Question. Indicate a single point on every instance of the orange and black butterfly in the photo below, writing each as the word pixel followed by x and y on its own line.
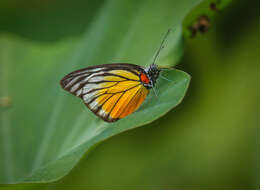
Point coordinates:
pixel 113 91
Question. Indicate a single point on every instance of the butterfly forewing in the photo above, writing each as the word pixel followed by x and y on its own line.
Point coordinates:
pixel 111 91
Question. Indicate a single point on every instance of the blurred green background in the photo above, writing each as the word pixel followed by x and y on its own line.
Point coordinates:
pixel 210 141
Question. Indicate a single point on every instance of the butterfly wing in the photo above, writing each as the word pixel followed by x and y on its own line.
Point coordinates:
pixel 111 91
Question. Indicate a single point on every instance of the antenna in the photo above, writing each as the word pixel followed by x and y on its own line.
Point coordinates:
pixel 161 46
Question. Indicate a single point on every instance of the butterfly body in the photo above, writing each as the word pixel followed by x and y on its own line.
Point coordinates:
pixel 112 91
pixel 152 72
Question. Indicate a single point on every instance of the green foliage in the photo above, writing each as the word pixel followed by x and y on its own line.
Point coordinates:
pixel 207 10
pixel 45 131
pixel 208 142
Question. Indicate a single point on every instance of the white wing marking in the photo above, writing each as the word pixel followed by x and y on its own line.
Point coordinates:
pixel 91 76
pixel 74 80
pixel 75 87
pixel 89 87
pixel 88 71
pixel 88 97
pixel 102 113
pixel 78 93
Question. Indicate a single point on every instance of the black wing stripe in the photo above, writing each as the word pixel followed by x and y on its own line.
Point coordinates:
pixel 102 81
pixel 123 68
pixel 115 75
pixel 108 67
pixel 95 89
pixel 87 71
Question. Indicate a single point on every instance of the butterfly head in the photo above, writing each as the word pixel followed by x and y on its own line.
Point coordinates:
pixel 150 75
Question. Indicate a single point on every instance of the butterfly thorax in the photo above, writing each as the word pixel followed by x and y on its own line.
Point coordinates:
pixel 150 75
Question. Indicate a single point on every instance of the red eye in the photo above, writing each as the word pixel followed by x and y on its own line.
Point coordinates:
pixel 144 78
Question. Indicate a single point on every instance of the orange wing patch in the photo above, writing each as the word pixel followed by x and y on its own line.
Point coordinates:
pixel 129 102
pixel 122 98
pixel 121 104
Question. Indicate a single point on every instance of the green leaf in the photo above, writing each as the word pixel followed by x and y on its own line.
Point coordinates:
pixel 44 131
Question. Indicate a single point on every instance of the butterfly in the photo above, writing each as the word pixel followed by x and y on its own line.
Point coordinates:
pixel 113 91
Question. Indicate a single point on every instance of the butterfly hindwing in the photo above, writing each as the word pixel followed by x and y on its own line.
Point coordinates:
pixel 111 91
